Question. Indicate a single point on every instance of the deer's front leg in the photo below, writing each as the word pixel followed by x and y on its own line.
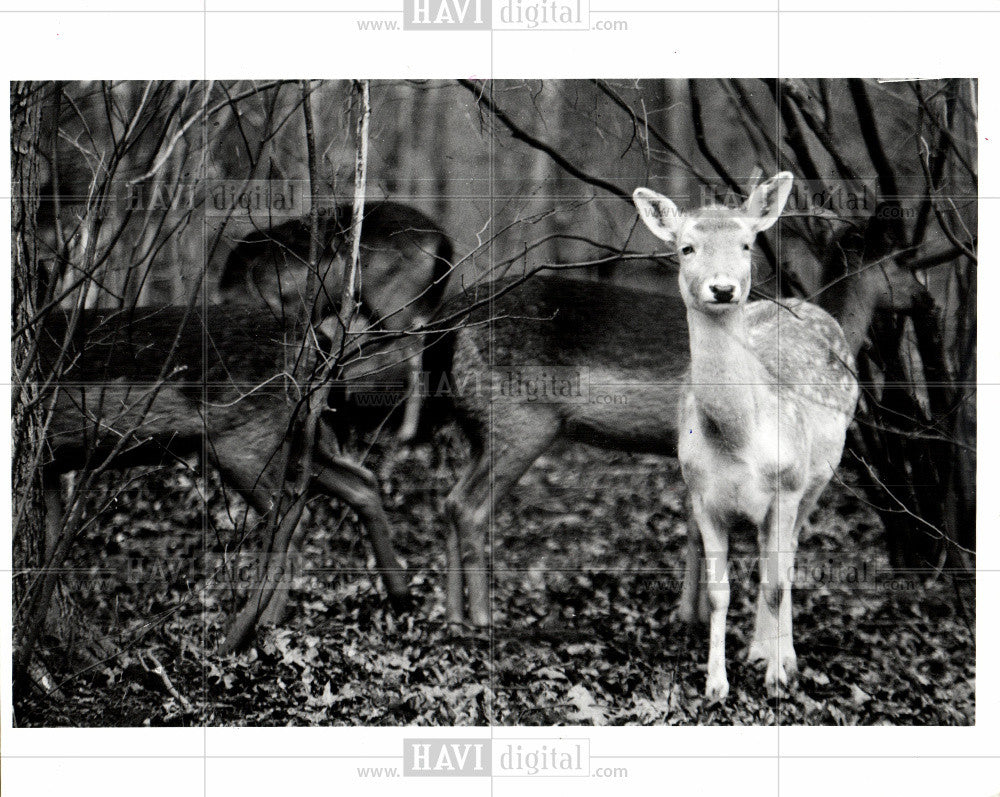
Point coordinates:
pixel 772 641
pixel 466 510
pixel 715 539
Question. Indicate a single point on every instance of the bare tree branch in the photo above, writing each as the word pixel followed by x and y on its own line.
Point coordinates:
pixel 478 90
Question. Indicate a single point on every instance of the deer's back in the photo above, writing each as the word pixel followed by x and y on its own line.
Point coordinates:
pixel 627 350
pixel 561 321
pixel 162 378
pixel 405 261
pixel 216 347
pixel 803 347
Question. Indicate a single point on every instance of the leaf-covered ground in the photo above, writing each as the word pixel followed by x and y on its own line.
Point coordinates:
pixel 587 557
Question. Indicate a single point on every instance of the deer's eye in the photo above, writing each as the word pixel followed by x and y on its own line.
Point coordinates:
pixel 687 250
pixel 746 247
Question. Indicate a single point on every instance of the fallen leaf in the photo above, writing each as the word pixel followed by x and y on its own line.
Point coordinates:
pixel 586 710
pixel 859 695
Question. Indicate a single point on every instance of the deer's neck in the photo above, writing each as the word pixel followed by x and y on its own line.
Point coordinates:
pixel 726 377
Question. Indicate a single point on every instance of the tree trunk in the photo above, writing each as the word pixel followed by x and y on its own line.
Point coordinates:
pixel 28 550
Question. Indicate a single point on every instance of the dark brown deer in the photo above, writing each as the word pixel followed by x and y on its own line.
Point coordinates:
pixel 615 359
pixel 152 384
pixel 405 263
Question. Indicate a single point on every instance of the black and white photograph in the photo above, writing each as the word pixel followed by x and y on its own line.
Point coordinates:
pixel 511 402
pixel 463 408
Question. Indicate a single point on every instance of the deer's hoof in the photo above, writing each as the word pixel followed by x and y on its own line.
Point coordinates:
pixel 717 688
pixel 781 675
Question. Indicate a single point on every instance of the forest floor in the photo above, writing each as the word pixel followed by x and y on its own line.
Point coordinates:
pixel 587 558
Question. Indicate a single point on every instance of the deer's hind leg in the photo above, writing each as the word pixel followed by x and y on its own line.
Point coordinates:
pixel 356 486
pixel 518 435
pixel 693 604
pixel 250 457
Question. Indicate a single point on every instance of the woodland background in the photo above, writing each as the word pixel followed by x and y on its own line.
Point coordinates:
pixel 113 192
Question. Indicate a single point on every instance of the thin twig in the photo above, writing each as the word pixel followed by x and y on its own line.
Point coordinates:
pixel 478 90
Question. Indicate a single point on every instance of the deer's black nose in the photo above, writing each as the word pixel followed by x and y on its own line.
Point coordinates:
pixel 722 293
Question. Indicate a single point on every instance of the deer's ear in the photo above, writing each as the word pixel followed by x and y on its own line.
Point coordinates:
pixel 768 200
pixel 659 213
